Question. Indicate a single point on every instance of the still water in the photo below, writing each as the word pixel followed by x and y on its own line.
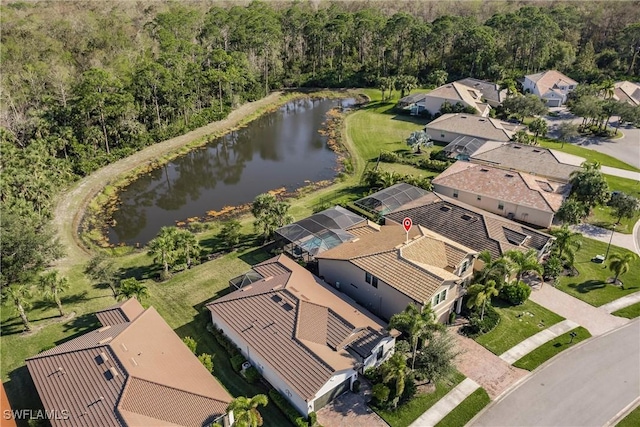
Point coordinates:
pixel 279 149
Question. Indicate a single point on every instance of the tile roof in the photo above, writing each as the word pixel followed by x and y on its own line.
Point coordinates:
pixel 526 158
pixel 301 326
pixel 549 79
pixel 627 92
pixel 506 185
pixel 417 268
pixel 123 312
pixel 471 125
pixel 469 226
pixel 134 373
pixel 456 92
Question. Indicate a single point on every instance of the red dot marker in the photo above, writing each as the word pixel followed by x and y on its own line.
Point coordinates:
pixel 407 224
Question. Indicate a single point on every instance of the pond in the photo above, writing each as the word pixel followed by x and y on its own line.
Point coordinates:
pixel 279 149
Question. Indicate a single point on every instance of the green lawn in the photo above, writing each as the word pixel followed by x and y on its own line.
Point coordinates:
pixel 546 351
pixel 590 284
pixel 466 410
pixel 590 155
pixel 406 169
pixel 517 323
pixel 631 420
pixel 630 312
pixel 409 412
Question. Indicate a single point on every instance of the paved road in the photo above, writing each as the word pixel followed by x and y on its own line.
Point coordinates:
pixel 587 385
pixel 627 241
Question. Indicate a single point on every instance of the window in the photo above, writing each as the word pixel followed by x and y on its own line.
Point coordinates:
pixel 367 277
pixel 380 353
pixel 374 282
pixel 464 267
pixel 478 197
pixel 500 205
pixel 455 193
pixel 371 279
pixel 571 86
pixel 439 297
pixel 442 135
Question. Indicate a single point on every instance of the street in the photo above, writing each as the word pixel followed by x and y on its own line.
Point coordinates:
pixel 586 386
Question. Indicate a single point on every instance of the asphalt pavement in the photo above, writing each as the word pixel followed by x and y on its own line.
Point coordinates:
pixel 587 385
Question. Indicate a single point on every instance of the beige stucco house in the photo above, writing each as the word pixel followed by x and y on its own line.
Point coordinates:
pixel 551 86
pixel 384 271
pixel 515 195
pixel 454 93
pixel 308 340
pixel 628 92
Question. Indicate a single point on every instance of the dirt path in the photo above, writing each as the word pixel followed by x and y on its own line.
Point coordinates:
pixel 73 202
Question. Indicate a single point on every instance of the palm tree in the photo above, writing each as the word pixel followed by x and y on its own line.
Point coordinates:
pixel 51 286
pixel 19 296
pixel 245 410
pixel 395 369
pixel 567 244
pixel 418 323
pixel 524 262
pixel 538 127
pixel 131 288
pixel 619 264
pixel 480 294
pixel 162 248
pixel 188 245
pixel 496 270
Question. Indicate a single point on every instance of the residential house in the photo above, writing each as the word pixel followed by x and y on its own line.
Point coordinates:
pixel 448 127
pixel 132 371
pixel 491 92
pixel 453 93
pixel 531 159
pixel 472 227
pixel 306 339
pixel 386 268
pixel 515 195
pixel 551 86
pixel 463 147
pixel 627 92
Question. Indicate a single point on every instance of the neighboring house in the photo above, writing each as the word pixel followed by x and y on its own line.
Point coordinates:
pixel 386 269
pixel 525 158
pixel 133 371
pixel 551 86
pixel 305 338
pixel 471 227
pixel 491 92
pixel 464 147
pixel 515 195
pixel 627 92
pixel 448 127
pixel 453 93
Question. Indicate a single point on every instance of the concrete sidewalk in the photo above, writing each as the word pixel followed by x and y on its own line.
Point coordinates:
pixel 527 346
pixel 607 170
pixel 602 234
pixel 621 303
pixel 445 405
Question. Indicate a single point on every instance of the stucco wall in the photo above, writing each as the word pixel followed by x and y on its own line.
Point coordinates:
pixel 383 301
pixel 490 204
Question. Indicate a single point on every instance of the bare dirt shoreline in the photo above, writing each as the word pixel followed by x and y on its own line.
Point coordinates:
pixel 74 201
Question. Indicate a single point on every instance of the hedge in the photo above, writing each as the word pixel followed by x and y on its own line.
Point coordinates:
pixel 288 409
pixel 237 361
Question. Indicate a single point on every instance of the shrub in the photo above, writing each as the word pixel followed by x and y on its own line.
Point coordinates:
pixel 433 165
pixel 313 419
pixel 286 407
pixel 207 361
pixel 356 386
pixel 252 375
pixel 225 342
pixel 439 155
pixel 191 343
pixel 196 227
pixel 478 327
pixel 389 157
pixel 373 375
pixel 236 362
pixel 452 317
pixel 515 293
pixel 380 393
pixel 410 390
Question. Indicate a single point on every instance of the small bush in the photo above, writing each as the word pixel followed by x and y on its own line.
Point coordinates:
pixel 207 361
pixel 410 390
pixel 478 327
pixel 191 343
pixel 356 386
pixel 236 362
pixel 389 157
pixel 252 375
pixel 313 419
pixel 287 408
pixel 380 393
pixel 515 293
pixel 196 227
pixel 452 317
pixel 225 342
pixel 433 165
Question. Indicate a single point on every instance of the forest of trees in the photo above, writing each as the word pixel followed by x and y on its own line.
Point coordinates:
pixel 86 83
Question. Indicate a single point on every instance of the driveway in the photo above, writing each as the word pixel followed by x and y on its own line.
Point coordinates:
pixel 587 385
pixel 351 409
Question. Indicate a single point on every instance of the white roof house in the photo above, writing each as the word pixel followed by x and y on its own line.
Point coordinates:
pixel 551 86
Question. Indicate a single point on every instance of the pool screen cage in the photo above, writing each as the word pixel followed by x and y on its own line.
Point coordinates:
pixel 390 199
pixel 320 232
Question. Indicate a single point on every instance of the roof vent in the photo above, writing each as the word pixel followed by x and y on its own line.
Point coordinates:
pixel 114 371
pixel 466 217
pixel 287 307
pixel 103 357
pixel 517 147
pixel 124 347
pixel 484 170
pixel 105 340
pixel 463 117
pixel 482 120
pixel 508 175
pixel 536 151
pixel 445 208
pixel 133 361
pixel 276 298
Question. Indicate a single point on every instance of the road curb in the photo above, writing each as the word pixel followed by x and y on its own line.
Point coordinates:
pixel 626 411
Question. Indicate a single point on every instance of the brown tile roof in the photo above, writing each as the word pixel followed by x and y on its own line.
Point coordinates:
pixel 469 226
pixel 547 80
pixel 509 186
pixel 526 158
pixel 417 268
pixel 95 374
pixel 470 125
pixel 123 312
pixel 304 328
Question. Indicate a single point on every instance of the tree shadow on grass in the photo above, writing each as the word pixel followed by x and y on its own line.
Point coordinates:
pixel 21 392
pixel 588 286
pixel 79 325
pixel 65 300
pixel 140 272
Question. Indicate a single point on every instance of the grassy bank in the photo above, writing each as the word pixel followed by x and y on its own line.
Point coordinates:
pixel 549 349
pixel 466 410
pixel 630 312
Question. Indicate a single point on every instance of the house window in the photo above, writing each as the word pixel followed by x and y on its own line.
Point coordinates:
pixel 380 353
pixel 371 279
pixel 478 197
pixel 442 135
pixel 367 277
pixel 455 193
pixel 571 86
pixel 374 281
pixel 500 205
pixel 439 297
pixel 464 267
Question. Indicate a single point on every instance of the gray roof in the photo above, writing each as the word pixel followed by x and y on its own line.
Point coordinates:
pixel 474 126
pixel 526 158
pixel 466 145
pixel 490 91
pixel 390 198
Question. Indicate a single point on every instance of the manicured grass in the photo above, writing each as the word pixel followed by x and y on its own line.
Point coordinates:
pixel 590 155
pixel 547 350
pixel 517 323
pixel 409 412
pixel 466 410
pixel 590 284
pixel 630 312
pixel 406 169
pixel 631 420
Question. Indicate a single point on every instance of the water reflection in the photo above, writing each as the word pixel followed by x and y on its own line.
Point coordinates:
pixel 280 149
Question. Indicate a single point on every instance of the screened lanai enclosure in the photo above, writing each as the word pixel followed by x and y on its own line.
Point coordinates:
pixel 320 232
pixel 384 201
